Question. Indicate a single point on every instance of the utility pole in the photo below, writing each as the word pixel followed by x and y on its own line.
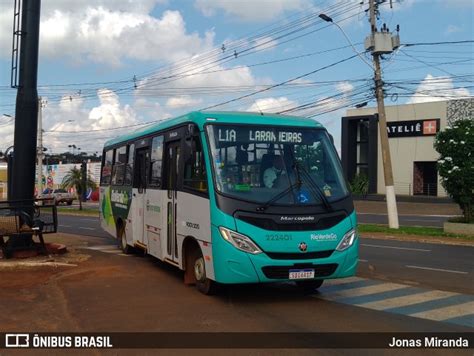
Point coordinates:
pixel 26 113
pixel 83 194
pixel 386 159
pixel 40 145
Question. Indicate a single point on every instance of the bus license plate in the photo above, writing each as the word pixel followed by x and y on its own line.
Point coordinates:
pixel 301 273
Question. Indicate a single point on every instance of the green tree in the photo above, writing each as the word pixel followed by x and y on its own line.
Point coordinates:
pixel 456 164
pixel 74 179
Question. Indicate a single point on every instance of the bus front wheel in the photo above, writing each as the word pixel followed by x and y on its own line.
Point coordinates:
pixel 203 284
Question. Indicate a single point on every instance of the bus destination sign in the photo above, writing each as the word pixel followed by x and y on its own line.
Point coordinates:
pixel 246 135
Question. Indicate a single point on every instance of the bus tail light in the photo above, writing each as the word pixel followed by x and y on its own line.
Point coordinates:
pixel 240 241
pixel 347 241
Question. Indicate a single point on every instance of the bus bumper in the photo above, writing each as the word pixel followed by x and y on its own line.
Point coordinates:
pixel 235 266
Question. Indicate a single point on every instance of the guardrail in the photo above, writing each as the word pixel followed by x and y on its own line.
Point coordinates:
pixel 403 188
pixel 26 218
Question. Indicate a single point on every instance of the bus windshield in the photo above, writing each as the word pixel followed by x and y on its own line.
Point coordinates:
pixel 256 163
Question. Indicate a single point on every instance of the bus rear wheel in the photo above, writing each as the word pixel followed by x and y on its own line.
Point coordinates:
pixel 309 287
pixel 203 284
pixel 122 240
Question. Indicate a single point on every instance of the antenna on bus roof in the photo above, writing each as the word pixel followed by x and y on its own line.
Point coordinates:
pixel 258 107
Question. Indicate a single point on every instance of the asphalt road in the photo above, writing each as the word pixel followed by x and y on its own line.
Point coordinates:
pixel 444 267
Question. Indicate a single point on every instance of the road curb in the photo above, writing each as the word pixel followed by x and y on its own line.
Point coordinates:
pixel 9 265
pixel 416 238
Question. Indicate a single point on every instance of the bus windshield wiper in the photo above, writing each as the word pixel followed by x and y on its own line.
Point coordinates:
pixel 280 195
pixel 314 187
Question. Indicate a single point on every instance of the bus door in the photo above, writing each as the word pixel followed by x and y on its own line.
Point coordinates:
pixel 172 157
pixel 139 194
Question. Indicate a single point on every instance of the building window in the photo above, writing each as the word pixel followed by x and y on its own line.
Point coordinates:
pixel 362 149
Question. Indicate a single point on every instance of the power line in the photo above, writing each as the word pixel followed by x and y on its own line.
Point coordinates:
pixel 280 84
pixel 437 43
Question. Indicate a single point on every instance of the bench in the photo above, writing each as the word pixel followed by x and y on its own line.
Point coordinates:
pixel 26 218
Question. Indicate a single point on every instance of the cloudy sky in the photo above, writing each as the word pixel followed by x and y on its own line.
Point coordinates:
pixel 110 66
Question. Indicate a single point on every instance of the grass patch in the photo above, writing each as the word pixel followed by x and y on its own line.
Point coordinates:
pixel 411 230
pixel 76 211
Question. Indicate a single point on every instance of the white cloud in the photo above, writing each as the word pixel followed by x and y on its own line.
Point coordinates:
pixel 271 105
pixel 181 84
pixel 250 10
pixel 71 114
pixel 345 87
pixel 437 89
pixel 452 29
pixel 109 32
pixel 179 102
pixel 138 6
pixel 265 43
pixel 110 114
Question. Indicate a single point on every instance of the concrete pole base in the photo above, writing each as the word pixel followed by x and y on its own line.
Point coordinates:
pixel 391 207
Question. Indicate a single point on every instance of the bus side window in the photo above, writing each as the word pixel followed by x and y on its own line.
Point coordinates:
pixel 129 166
pixel 194 167
pixel 106 173
pixel 156 161
pixel 142 159
pixel 118 170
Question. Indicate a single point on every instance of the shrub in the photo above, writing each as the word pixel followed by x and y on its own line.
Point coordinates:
pixel 456 164
pixel 359 185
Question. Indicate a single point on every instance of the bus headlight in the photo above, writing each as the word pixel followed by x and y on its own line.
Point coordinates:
pixel 240 241
pixel 347 240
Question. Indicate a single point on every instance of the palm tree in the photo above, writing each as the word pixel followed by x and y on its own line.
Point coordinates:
pixel 74 179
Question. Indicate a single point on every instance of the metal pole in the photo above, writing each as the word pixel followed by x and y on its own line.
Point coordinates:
pixel 40 146
pixel 386 159
pixel 26 112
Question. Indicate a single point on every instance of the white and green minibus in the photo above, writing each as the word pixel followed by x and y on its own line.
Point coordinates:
pixel 232 197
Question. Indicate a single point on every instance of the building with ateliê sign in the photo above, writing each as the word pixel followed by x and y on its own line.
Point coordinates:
pixel 411 131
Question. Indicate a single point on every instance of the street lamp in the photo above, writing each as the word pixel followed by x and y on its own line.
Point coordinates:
pixel 386 158
pixel 326 18
pixel 4 155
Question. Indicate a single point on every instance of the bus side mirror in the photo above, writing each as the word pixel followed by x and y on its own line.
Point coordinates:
pixel 332 138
